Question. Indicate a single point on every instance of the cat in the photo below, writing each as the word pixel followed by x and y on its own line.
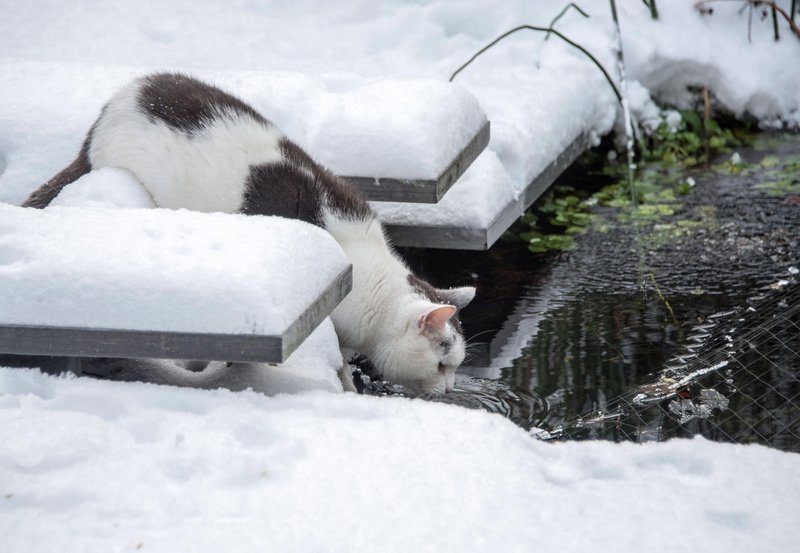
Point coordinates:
pixel 194 146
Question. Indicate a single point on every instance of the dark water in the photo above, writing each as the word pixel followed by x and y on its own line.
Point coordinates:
pixel 571 339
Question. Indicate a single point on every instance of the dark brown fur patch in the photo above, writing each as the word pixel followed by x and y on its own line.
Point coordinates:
pixel 187 104
pixel 282 189
pixel 45 194
pixel 298 187
pixel 342 196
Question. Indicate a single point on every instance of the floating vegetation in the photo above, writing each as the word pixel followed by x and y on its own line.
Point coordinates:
pixel 688 144
pixel 670 171
pixel 783 176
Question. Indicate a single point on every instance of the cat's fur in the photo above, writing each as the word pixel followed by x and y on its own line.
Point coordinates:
pixel 194 146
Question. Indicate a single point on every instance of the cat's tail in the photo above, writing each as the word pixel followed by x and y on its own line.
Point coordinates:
pixel 45 194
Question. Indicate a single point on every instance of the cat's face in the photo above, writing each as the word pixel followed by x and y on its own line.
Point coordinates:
pixel 429 344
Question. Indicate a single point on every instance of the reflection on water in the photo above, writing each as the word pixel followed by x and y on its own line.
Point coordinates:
pixel 593 326
pixel 518 403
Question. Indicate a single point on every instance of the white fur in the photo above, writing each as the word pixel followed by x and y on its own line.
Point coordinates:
pixel 204 172
pixel 379 317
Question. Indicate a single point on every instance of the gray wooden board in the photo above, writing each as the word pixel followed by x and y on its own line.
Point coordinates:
pixel 92 342
pixel 385 189
pixel 481 238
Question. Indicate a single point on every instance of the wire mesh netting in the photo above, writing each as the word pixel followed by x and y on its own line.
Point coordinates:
pixel 738 380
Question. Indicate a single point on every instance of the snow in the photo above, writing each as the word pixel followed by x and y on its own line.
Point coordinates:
pixel 154 269
pixel 120 466
pixel 88 465
pixel 107 187
pixel 355 130
pixel 368 81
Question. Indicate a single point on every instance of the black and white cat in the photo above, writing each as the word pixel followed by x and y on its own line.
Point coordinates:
pixel 194 146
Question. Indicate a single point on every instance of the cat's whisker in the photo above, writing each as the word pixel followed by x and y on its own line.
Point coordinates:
pixel 471 348
pixel 471 338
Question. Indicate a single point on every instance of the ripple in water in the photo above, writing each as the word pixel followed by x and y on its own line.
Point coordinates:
pixel 521 405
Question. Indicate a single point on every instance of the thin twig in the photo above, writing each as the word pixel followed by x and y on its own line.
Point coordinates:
pixel 775 23
pixel 561 14
pixel 789 19
pixel 543 30
pixel 706 123
pixel 663 299
pixel 755 3
pixel 653 9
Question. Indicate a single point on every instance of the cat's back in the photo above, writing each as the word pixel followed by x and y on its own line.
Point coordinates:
pixel 191 144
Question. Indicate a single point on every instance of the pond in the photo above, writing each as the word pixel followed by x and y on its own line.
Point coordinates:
pixel 580 344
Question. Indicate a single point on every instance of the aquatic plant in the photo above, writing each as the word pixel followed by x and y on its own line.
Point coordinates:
pixel 566 211
pixel 693 141
pixel 560 215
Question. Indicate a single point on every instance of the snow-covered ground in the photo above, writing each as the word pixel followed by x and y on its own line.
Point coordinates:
pixel 87 465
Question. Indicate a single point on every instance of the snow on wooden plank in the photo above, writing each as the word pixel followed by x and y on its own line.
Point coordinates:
pixel 465 235
pixel 161 283
pixel 384 189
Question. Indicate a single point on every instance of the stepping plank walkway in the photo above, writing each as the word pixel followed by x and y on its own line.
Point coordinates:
pixel 158 284
pixel 425 168
pixel 420 149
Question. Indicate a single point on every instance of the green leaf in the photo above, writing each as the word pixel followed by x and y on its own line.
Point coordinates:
pixel 770 161
pixel 692 121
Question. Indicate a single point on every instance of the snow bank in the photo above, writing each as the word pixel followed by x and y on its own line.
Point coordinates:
pixel 758 77
pixel 153 269
pixel 87 465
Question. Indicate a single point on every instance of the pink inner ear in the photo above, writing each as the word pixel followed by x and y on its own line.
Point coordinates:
pixel 435 320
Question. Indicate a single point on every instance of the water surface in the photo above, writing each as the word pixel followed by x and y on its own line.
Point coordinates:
pixel 565 342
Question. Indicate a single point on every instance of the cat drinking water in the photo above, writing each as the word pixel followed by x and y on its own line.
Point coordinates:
pixel 194 146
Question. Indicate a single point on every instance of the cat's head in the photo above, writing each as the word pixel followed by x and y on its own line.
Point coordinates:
pixel 428 343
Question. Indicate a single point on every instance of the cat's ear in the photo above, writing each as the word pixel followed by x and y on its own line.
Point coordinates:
pixel 458 297
pixel 433 321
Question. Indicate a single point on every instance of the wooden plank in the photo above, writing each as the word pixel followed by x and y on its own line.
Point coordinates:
pixel 315 313
pixel 91 342
pixel 385 189
pixel 481 238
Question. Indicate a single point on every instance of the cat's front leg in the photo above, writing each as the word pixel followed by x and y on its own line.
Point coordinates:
pixel 345 372
pixel 346 376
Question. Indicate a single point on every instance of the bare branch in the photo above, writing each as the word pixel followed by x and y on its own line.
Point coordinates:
pixel 543 30
pixel 755 3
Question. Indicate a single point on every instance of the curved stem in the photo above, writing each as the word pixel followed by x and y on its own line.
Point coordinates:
pixel 543 30
pixel 561 14
pixel 653 9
